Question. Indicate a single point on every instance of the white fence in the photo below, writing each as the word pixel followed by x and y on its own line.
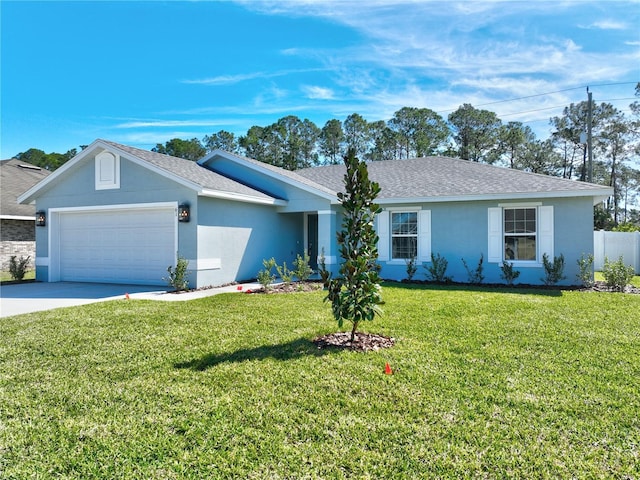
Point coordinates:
pixel 614 244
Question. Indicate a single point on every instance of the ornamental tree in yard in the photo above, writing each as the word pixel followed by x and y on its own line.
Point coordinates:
pixel 355 293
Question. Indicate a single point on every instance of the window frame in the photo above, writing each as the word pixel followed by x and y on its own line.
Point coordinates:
pixel 383 229
pixel 415 235
pixel 545 236
pixel 522 234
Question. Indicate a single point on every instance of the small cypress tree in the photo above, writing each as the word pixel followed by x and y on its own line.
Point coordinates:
pixel 355 295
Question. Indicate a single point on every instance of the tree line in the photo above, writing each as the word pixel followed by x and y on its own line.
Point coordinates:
pixel 469 133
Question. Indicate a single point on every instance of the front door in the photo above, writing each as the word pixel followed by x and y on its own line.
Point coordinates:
pixel 312 240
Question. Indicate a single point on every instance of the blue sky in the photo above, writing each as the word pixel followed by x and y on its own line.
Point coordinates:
pixel 141 73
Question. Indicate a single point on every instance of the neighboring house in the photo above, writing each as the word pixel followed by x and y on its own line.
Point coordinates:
pixel 120 214
pixel 17 222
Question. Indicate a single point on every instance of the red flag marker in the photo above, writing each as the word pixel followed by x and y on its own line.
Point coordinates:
pixel 387 369
pixel 239 287
pixel 126 295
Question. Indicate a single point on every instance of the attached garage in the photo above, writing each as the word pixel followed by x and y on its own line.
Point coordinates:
pixel 129 245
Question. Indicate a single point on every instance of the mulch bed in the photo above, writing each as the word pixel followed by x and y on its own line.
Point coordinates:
pixel 290 287
pixel 603 287
pixel 363 342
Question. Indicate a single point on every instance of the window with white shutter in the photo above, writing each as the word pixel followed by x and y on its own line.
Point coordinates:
pixel 520 233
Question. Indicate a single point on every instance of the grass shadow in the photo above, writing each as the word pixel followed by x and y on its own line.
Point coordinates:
pixel 283 351
pixel 544 290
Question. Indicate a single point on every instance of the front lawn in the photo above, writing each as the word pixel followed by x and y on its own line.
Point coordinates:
pixel 487 384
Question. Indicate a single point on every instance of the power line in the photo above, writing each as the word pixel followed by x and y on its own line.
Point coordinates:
pixel 547 93
pixel 558 106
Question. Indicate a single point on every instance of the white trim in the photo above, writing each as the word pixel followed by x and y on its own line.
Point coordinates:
pixel 18 217
pixel 411 208
pixel 326 212
pixel 242 198
pixel 124 206
pixel 113 183
pixel 520 205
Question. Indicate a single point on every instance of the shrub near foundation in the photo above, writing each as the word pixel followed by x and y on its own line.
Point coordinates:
pixel 616 274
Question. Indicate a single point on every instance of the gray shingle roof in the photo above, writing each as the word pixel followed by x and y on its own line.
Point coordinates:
pixel 16 177
pixel 191 171
pixel 445 177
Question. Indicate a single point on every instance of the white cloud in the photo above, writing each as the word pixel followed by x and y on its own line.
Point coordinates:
pixel 167 124
pixel 316 92
pixel 225 79
pixel 608 24
pixel 243 77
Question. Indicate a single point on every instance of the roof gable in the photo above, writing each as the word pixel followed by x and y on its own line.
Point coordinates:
pixel 185 172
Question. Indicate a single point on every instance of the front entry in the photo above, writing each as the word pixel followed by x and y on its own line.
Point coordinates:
pixel 312 240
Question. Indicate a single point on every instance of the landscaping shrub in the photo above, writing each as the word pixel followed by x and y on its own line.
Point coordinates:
pixel 585 275
pixel 18 268
pixel 436 271
pixel 412 268
pixel 617 275
pixel 509 274
pixel 284 273
pixel 178 276
pixel 475 276
pixel 553 271
pixel 266 277
pixel 302 269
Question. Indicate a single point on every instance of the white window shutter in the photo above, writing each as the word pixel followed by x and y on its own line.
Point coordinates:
pixel 383 236
pixel 494 251
pixel 545 233
pixel 424 235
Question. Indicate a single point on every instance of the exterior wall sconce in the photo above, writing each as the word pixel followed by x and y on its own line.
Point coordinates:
pixel 184 213
pixel 41 218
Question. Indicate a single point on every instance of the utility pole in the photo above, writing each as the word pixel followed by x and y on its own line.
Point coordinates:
pixel 589 146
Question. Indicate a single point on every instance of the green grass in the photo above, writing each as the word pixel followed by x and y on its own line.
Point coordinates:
pixel 487 384
pixel 6 276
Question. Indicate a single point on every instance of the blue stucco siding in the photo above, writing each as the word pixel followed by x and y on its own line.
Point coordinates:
pixel 138 185
pixel 234 238
pixel 460 230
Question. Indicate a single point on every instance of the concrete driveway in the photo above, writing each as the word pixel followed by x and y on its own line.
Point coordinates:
pixel 38 296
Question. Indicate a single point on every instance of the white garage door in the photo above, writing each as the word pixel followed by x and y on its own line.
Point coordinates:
pixel 117 246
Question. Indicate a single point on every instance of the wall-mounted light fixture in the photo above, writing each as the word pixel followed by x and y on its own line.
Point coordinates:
pixel 184 212
pixel 41 218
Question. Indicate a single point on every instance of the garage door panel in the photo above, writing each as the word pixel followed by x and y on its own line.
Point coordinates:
pixel 128 246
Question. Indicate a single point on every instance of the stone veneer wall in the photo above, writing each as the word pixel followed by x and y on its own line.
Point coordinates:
pixel 17 237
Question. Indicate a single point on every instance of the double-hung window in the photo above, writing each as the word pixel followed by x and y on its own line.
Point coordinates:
pixel 520 234
pixel 404 235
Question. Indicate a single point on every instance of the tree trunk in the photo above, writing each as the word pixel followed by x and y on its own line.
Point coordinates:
pixel 353 331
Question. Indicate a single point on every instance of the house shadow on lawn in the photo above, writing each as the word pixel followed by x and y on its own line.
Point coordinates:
pixel 544 290
pixel 283 351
